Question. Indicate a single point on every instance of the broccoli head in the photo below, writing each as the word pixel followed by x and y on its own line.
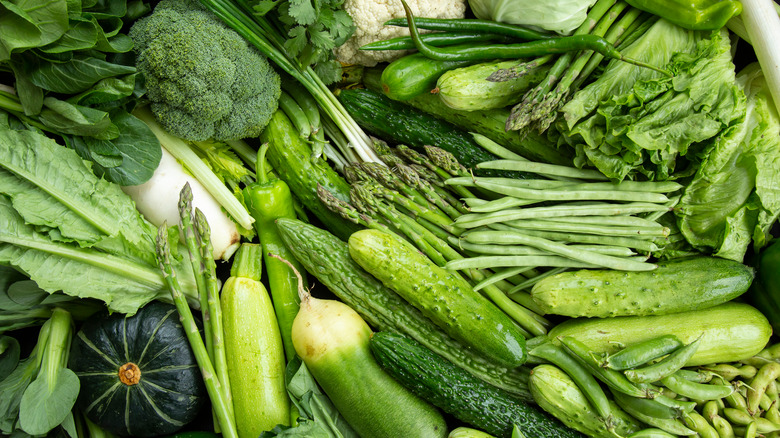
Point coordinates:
pixel 203 80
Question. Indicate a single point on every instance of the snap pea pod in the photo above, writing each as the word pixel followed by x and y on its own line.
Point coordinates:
pixel 666 366
pixel 641 353
pixel 644 410
pixel 699 424
pixel 731 372
pixel 742 418
pixel 652 433
pixel 696 391
pixel 724 428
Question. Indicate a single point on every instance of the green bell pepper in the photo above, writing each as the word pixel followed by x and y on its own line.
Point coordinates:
pixel 692 14
pixel 267 200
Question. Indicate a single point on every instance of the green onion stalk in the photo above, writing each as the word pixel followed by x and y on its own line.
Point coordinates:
pixel 261 33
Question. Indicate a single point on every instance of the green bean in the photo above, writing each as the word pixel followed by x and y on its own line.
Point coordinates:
pixel 473 220
pixel 652 433
pixel 579 374
pixel 664 367
pixel 700 425
pixel 621 221
pixel 614 379
pixel 533 280
pixel 694 390
pixel 631 186
pixel 723 427
pixel 742 418
pixel 543 169
pixel 437 39
pixel 648 411
pixel 482 206
pixel 539 184
pixel 486 262
pixel 502 275
pixel 576 240
pixel 605 229
pixel 758 385
pixel 643 352
pixel 567 194
pixel 559 249
pixel 471 25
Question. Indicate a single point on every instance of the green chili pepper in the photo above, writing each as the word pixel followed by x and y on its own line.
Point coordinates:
pixel 267 200
pixel 692 14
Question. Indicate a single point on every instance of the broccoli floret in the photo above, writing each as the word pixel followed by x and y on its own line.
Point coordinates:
pixel 203 80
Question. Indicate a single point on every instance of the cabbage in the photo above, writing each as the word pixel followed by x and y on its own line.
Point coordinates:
pixel 561 16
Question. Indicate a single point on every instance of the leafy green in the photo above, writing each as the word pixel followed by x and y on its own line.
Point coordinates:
pixel 734 198
pixel 318 417
pixel 72 231
pixel 26 24
pixel 9 355
pixel 313 29
pixel 562 16
pixel 658 128
pixel 45 405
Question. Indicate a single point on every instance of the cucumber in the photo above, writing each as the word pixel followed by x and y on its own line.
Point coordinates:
pixel 490 123
pixel 414 74
pixel 556 393
pixel 456 392
pixel 678 285
pixel 290 157
pixel 467 88
pixel 396 122
pixel 730 332
pixel 327 258
pixel 333 342
pixel 444 297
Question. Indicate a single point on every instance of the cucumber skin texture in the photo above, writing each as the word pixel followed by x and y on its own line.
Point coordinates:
pixel 327 258
pixel 678 285
pixel 467 88
pixel 440 295
pixel 414 74
pixel 290 158
pixel 555 392
pixel 731 331
pixel 253 344
pixel 490 123
pixel 458 393
pixel 369 399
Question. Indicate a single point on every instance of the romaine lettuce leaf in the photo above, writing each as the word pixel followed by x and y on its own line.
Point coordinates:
pixel 733 200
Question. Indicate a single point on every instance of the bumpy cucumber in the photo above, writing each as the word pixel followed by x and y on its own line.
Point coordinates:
pixel 729 332
pixel 333 341
pixel 327 258
pixel 448 300
pixel 467 88
pixel 414 74
pixel 675 286
pixel 555 392
pixel 468 399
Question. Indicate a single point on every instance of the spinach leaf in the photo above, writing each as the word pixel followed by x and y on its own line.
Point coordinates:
pixel 26 24
pixel 9 355
pixel 48 401
pixel 76 75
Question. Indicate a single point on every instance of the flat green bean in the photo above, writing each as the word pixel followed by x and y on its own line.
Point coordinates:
pixel 559 249
pixel 543 169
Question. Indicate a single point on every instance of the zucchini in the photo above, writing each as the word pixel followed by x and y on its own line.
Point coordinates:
pixel 678 285
pixel 729 332
pixel 467 88
pixel 327 258
pixel 456 392
pixel 290 157
pixel 444 297
pixel 412 75
pixel 555 392
pixel 490 123
pixel 253 346
pixel 333 342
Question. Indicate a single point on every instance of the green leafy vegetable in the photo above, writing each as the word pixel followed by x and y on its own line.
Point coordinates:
pixel 71 231
pixel 9 355
pixel 734 199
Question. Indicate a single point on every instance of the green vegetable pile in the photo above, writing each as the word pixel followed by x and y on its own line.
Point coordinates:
pixel 532 222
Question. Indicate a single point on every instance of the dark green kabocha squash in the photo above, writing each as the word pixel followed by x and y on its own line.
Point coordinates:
pixel 138 374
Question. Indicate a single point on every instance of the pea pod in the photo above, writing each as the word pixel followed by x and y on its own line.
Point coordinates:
pixel 666 366
pixel 758 385
pixel 724 428
pixel 698 423
pixel 652 433
pixel 613 379
pixel 742 418
pixel 643 352
pixel 645 411
pixel 694 390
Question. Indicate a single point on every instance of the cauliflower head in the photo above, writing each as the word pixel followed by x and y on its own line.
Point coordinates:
pixel 369 17
pixel 202 79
